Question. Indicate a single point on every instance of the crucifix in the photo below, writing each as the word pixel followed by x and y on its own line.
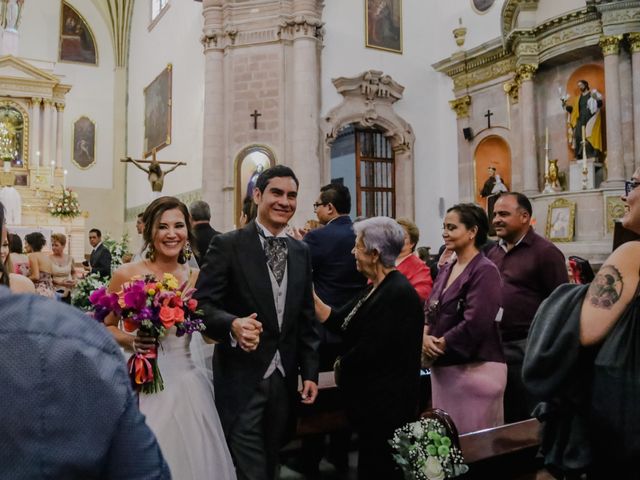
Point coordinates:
pixel 154 170
pixel 489 115
pixel 255 116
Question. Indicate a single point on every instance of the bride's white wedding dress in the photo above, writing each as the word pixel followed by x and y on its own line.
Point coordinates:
pixel 184 417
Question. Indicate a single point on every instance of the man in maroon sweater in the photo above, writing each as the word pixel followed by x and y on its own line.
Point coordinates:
pixel 531 267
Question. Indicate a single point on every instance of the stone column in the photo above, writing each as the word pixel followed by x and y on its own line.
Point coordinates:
pixel 528 127
pixel 305 106
pixel 465 164
pixel 46 153
pixel 634 43
pixel 213 157
pixel 53 145
pixel 59 125
pixel 35 132
pixel 615 164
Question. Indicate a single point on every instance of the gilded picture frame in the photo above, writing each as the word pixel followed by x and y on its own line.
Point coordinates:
pixel 84 143
pixel 561 217
pixel 482 6
pixel 613 210
pixel 383 25
pixel 76 44
pixel 157 112
pixel 249 163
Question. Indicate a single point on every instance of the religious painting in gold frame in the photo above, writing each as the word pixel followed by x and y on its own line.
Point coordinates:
pixel 250 162
pixel 383 24
pixel 77 43
pixel 84 143
pixel 482 6
pixel 157 112
pixel 561 217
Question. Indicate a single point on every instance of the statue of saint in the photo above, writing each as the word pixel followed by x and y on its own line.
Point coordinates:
pixel 11 14
pixel 154 171
pixel 584 111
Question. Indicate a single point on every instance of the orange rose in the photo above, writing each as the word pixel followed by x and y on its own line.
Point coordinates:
pixel 178 314
pixel 167 317
pixel 192 304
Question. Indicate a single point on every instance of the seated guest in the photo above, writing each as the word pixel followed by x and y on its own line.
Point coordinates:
pixel 469 374
pixel 410 265
pixel 71 414
pixel 379 371
pixel 39 264
pixel 61 267
pixel 17 283
pixel 19 261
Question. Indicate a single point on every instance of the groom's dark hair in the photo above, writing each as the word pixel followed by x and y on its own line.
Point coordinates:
pixel 272 172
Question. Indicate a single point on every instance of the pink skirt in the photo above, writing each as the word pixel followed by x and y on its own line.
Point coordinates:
pixel 472 394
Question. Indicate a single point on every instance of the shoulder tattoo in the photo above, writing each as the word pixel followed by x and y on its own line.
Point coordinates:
pixel 606 288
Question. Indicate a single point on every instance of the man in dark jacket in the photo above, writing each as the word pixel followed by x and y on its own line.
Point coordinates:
pixel 100 259
pixel 204 232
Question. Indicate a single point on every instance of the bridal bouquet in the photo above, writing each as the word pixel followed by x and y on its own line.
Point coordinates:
pixel 152 307
pixel 424 450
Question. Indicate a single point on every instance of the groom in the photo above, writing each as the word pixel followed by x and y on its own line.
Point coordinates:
pixel 255 290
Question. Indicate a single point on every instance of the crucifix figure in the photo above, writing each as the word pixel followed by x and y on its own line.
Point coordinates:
pixel 255 116
pixel 489 115
pixel 154 170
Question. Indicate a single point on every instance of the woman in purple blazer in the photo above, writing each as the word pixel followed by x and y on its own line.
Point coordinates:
pixel 461 338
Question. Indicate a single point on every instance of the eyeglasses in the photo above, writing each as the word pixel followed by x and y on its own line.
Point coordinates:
pixel 318 204
pixel 630 185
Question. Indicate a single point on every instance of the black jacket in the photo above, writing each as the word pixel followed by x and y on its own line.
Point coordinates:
pixel 204 233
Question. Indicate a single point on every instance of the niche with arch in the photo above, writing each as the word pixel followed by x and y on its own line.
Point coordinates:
pixel 249 163
pixel 492 151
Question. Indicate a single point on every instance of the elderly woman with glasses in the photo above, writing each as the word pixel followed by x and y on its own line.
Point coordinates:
pixel 379 370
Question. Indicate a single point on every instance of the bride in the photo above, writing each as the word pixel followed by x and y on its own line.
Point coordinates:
pixel 183 416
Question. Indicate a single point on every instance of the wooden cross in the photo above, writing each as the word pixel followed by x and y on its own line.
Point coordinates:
pixel 255 116
pixel 154 171
pixel 489 115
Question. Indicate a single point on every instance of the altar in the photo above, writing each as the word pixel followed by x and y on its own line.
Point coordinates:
pixel 32 177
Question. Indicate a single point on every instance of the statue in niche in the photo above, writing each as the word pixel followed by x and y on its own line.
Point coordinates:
pixel 584 116
pixel 11 13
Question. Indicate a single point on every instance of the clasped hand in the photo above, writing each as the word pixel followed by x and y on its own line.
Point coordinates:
pixel 246 331
pixel 432 346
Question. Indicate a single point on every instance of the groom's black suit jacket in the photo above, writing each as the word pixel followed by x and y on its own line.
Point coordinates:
pixel 234 282
pixel 100 261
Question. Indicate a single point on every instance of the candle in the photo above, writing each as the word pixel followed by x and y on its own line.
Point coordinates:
pixel 53 169
pixel 546 151
pixel 64 180
pixel 584 148
pixel 38 162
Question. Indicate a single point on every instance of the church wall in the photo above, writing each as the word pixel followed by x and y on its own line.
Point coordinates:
pixel 174 39
pixel 548 9
pixel 91 94
pixel 427 37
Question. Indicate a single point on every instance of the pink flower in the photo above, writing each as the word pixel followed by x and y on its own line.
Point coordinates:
pixel 179 314
pixel 192 304
pixel 167 316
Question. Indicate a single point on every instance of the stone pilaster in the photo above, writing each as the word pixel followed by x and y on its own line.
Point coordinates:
pixel 47 153
pixel 213 151
pixel 59 125
pixel 528 117
pixel 35 131
pixel 615 164
pixel 634 44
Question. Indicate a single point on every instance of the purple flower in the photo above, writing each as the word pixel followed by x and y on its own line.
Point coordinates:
pixel 135 296
pixel 104 303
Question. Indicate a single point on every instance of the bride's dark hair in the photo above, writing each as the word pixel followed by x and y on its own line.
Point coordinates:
pixel 151 218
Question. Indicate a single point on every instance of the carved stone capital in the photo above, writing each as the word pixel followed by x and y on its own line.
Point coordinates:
pixel 512 88
pixel 47 102
pixel 302 26
pixel 36 101
pixel 60 106
pixel 610 45
pixel 373 85
pixel 634 42
pixel 526 71
pixel 210 38
pixel 461 106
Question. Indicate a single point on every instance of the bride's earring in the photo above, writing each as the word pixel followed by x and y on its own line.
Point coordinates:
pixel 185 254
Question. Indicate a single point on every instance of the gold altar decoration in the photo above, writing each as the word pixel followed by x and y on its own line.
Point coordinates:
pixel 561 217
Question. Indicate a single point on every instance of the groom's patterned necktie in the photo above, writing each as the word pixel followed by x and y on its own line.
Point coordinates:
pixel 275 248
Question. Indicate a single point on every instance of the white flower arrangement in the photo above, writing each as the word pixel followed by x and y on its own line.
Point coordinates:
pixel 65 205
pixel 84 288
pixel 424 450
pixel 117 249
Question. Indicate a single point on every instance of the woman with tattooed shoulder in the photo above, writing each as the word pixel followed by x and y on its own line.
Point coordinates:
pixel 586 340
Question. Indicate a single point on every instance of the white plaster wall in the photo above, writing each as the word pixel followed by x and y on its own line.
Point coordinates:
pixel 92 87
pixel 174 39
pixel 548 9
pixel 427 38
